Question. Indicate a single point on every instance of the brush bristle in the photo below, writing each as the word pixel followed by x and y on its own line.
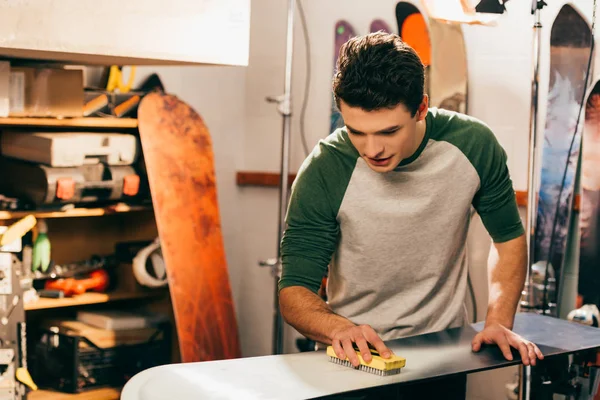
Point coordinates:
pixel 365 368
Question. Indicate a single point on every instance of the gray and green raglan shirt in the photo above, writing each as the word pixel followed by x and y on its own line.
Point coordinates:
pixel 395 242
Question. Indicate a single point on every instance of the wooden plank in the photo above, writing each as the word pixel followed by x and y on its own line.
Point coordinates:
pixel 75 212
pixel 522 200
pixel 91 298
pixel 95 394
pixel 90 122
pixel 271 179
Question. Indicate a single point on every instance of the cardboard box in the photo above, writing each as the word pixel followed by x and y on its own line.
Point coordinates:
pixel 45 92
pixel 4 87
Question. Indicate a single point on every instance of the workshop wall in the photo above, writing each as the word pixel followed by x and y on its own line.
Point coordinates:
pixel 247 132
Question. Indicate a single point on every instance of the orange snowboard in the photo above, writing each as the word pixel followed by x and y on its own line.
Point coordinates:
pixel 178 154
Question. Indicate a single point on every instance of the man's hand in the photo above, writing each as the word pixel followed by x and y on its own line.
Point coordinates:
pixel 505 339
pixel 362 335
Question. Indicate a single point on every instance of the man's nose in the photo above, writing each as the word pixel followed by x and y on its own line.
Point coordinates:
pixel 374 148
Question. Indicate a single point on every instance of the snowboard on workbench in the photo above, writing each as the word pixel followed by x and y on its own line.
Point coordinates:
pixel 570 41
pixel 179 160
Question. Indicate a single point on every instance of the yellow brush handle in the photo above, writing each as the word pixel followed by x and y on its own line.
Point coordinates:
pixel 17 230
pixel 377 362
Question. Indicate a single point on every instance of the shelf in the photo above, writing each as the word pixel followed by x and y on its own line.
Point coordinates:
pixel 91 122
pixel 75 212
pixel 271 179
pixel 91 298
pixel 95 394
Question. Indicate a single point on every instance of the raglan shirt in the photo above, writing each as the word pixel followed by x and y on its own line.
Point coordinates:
pixel 395 242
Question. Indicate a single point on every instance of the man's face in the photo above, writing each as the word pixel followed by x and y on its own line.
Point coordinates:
pixel 384 137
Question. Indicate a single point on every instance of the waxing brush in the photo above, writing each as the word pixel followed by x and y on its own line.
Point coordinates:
pixel 378 365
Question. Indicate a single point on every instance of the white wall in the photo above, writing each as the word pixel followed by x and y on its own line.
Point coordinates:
pixel 247 133
pixel 500 73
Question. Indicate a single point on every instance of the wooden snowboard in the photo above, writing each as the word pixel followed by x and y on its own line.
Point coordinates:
pixel 441 48
pixel 178 154
pixel 379 25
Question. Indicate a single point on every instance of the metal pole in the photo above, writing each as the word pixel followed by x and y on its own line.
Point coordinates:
pixel 528 300
pixel 285 108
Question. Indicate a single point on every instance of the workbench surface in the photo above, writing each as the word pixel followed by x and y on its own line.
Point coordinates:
pixel 309 375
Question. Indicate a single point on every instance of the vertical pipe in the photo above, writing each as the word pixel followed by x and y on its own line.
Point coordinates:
pixel 528 300
pixel 285 109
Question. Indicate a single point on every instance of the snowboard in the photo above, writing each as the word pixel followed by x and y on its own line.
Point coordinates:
pixel 441 47
pixel 179 160
pixel 589 212
pixel 379 25
pixel 570 41
pixel 343 32
pixel 312 375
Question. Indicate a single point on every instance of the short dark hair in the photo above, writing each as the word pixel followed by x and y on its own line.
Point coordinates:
pixel 378 71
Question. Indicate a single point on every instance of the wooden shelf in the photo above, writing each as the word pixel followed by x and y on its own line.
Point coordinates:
pixel 75 212
pixel 271 179
pixel 91 298
pixel 96 394
pixel 91 122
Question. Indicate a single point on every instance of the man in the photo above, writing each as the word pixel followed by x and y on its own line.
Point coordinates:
pixel 387 200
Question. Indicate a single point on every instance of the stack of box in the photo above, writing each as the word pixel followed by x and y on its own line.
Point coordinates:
pixel 57 168
pixel 40 91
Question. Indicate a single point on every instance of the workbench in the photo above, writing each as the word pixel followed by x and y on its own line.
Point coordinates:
pixel 309 375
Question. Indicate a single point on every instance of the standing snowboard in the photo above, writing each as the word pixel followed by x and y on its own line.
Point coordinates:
pixel 589 213
pixel 441 48
pixel 379 25
pixel 178 154
pixel 570 41
pixel 343 33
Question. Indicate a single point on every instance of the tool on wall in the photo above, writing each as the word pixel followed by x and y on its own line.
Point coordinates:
pixel 97 281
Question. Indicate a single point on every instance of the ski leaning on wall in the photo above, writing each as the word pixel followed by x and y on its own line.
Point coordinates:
pixel 570 42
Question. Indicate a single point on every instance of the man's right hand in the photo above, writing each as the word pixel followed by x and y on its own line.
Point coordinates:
pixel 311 316
pixel 362 335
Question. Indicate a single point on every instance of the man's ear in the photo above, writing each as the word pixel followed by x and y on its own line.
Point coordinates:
pixel 423 107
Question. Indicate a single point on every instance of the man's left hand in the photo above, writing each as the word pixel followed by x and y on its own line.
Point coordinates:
pixel 505 339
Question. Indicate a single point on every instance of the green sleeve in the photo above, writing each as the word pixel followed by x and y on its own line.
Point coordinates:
pixel 312 228
pixel 495 200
